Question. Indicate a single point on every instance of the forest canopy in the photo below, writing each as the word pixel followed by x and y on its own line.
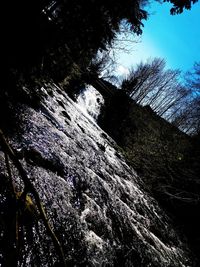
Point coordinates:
pixel 44 29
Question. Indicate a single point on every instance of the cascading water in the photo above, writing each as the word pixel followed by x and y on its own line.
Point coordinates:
pixel 94 201
pixel 90 102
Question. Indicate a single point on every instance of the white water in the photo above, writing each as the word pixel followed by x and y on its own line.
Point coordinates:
pixel 89 190
pixel 90 102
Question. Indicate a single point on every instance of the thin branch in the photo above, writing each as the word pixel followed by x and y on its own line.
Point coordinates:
pixel 30 188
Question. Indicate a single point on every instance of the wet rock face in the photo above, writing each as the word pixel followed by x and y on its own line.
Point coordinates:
pixel 93 199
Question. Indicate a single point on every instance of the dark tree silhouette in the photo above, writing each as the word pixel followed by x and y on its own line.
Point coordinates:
pixel 188 117
pixel 193 78
pixel 41 32
pixel 35 26
pixel 180 5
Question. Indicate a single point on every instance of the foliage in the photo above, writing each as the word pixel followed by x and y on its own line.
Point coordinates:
pixel 50 34
pixel 42 28
pixel 180 5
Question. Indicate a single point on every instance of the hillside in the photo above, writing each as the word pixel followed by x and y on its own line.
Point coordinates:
pixel 167 160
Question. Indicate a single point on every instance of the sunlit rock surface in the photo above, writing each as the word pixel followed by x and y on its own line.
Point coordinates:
pixel 94 200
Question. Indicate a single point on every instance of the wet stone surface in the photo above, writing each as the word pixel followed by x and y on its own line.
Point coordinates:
pixel 93 199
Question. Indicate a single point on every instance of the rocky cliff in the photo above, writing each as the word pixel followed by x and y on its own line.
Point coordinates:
pixel 94 201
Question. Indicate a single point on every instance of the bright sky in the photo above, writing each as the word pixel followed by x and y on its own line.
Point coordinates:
pixel 175 38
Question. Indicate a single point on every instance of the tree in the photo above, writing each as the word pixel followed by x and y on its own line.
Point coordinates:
pixel 39 25
pixel 180 5
pixel 193 78
pixel 38 30
pixel 150 84
pixel 188 117
pixel 144 78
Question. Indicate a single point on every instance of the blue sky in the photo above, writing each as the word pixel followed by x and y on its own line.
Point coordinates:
pixel 175 38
